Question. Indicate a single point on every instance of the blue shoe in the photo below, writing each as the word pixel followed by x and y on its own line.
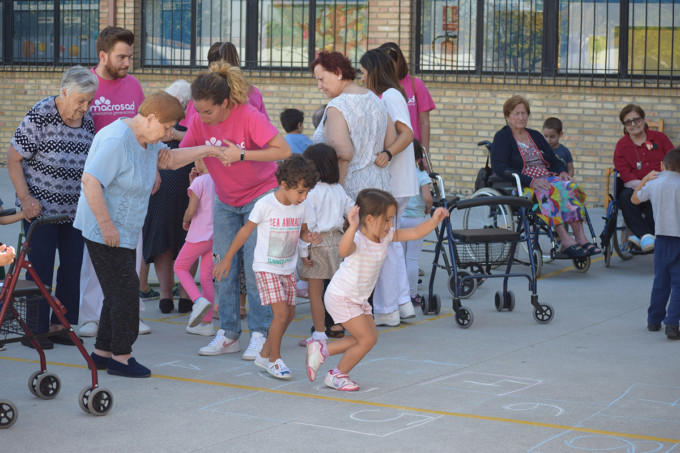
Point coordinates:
pixel 100 362
pixel 149 294
pixel 132 369
pixel 647 242
pixel 634 241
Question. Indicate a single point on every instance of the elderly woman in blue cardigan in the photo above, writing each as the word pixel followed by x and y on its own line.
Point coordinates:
pixel 517 149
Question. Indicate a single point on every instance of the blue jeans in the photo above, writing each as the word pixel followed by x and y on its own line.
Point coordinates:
pixel 227 220
pixel 666 282
pixel 45 242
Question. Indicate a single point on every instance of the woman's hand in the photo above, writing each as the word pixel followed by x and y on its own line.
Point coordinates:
pixel 564 176
pixel 381 159
pixel 7 254
pixel 30 207
pixel 540 184
pixel 228 154
pixel 110 234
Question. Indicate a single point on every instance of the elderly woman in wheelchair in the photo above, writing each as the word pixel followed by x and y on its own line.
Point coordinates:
pixel 518 149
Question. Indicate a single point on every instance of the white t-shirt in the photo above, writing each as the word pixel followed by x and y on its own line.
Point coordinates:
pixel 328 204
pixel 402 166
pixel 278 231
pixel 358 273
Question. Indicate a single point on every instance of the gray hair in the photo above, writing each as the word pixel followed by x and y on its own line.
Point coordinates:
pixel 181 90
pixel 80 80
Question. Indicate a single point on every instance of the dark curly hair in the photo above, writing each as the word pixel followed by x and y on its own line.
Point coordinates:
pixel 297 169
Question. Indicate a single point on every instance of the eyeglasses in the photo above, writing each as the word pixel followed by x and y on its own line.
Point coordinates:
pixel 633 121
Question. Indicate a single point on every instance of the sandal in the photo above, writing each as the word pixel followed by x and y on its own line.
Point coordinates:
pixel 574 251
pixel 591 249
pixel 330 333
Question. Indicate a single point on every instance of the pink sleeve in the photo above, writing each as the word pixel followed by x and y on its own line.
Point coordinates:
pixel 425 102
pixel 189 139
pixel 260 129
pixel 197 187
pixel 255 99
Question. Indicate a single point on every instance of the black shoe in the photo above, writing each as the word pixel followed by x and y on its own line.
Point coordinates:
pixel 166 305
pixel 100 362
pixel 62 337
pixel 184 305
pixel 653 327
pixel 672 332
pixel 132 369
pixel 44 342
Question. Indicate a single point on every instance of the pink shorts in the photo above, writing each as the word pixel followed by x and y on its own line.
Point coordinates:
pixel 275 288
pixel 343 309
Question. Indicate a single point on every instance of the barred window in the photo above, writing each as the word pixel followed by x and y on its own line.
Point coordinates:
pixel 29 34
pixel 595 38
pixel 267 33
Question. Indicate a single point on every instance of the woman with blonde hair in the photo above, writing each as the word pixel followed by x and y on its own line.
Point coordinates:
pixel 119 174
pixel 225 117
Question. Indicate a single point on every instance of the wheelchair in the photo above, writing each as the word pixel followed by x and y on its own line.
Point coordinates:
pixel 545 246
pixel 615 234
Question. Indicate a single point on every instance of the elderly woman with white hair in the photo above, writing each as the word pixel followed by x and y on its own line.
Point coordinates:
pixel 163 235
pixel 45 161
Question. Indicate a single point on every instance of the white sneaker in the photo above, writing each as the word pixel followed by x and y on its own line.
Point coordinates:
pixel 340 381
pixel 279 370
pixel 89 329
pixel 387 319
pixel 314 359
pixel 262 362
pixel 255 346
pixel 406 311
pixel 143 328
pixel 220 345
pixel 207 330
pixel 198 311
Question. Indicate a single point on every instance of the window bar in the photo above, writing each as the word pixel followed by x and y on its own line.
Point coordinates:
pixel 311 35
pixel 672 41
pixel 479 38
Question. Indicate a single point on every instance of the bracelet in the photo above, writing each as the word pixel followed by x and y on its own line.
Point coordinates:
pixel 389 154
pixel 243 155
pixel 172 133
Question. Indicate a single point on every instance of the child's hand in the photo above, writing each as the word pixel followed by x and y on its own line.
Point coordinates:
pixel 440 214
pixel 186 225
pixel 7 254
pixel 314 238
pixel 307 262
pixel 651 175
pixel 221 269
pixel 353 217
pixel 193 174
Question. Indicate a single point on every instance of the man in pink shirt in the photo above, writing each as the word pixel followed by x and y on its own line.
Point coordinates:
pixel 118 96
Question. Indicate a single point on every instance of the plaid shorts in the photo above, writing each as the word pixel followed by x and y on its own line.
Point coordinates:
pixel 275 288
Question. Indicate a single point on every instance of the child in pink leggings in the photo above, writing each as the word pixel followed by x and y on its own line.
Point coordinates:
pixel 198 222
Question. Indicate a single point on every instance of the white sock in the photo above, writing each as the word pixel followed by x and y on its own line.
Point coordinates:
pixel 318 336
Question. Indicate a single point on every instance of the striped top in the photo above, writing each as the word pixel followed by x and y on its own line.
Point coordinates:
pixel 358 273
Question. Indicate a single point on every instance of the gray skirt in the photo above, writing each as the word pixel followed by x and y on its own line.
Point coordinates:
pixel 325 257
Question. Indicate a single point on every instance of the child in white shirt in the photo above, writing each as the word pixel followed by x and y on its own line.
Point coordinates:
pixel 281 220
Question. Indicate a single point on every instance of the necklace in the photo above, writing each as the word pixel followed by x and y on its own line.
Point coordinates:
pixel 639 162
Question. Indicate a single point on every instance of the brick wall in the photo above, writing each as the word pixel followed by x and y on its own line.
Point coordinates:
pixel 465 114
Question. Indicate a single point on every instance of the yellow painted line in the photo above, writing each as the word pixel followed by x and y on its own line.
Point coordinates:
pixel 392 406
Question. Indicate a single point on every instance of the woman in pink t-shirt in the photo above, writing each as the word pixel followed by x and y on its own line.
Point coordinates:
pixel 419 99
pixel 224 116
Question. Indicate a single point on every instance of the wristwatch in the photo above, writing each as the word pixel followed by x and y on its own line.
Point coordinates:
pixel 389 154
pixel 243 155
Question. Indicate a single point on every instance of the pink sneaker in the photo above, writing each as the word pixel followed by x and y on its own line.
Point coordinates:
pixel 314 359
pixel 340 381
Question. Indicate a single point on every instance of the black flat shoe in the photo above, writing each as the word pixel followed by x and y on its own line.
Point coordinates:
pixel 184 305
pixel 132 369
pixel 44 342
pixel 100 362
pixel 166 305
pixel 62 337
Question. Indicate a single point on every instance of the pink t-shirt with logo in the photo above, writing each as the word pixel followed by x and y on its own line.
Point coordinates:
pixel 241 182
pixel 422 98
pixel 119 98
